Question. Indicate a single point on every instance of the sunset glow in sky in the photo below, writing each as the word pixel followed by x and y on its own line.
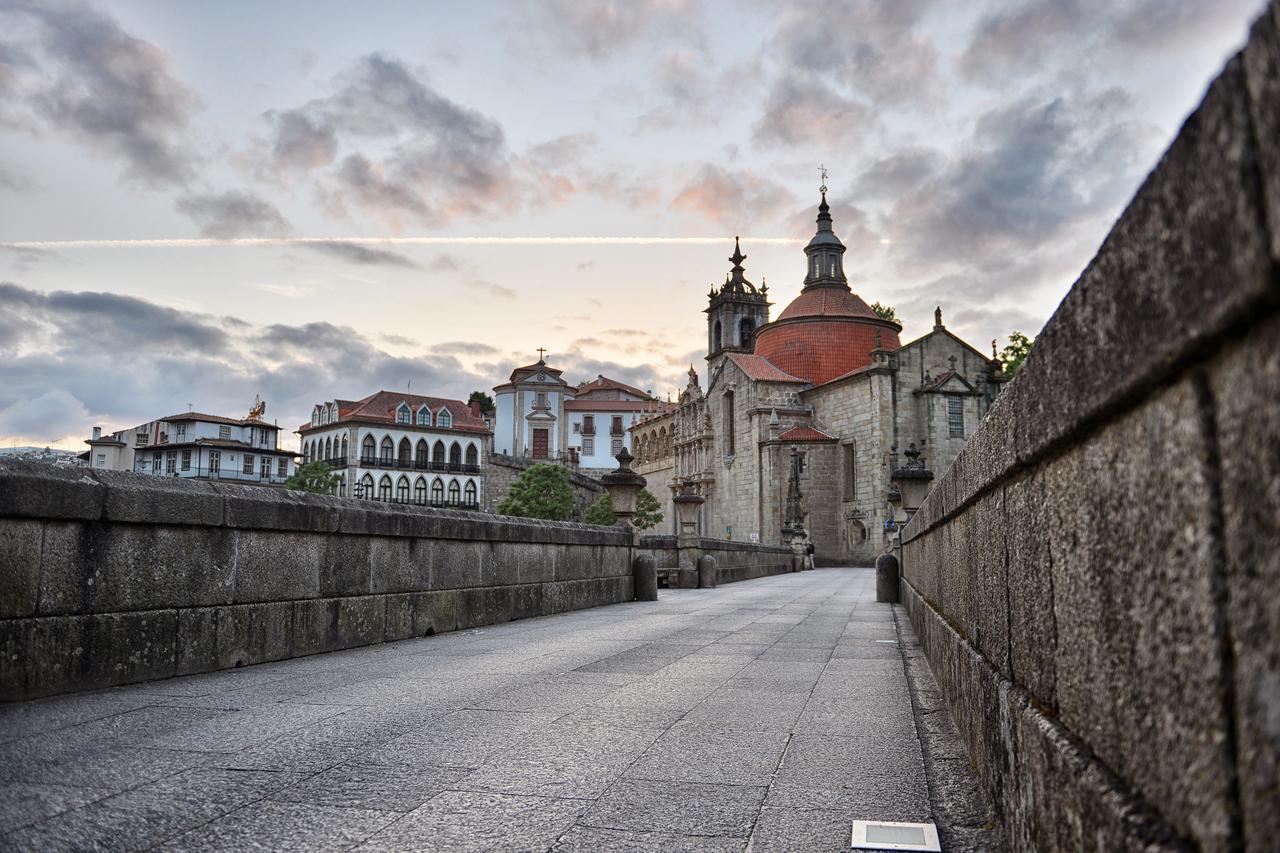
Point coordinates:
pixel 200 202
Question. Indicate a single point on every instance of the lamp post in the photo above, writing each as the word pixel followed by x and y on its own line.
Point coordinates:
pixel 624 487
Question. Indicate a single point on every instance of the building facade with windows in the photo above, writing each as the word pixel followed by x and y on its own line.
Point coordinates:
pixel 866 416
pixel 198 446
pixel 541 416
pixel 401 448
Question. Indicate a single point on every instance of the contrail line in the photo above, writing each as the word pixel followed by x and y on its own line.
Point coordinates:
pixel 208 242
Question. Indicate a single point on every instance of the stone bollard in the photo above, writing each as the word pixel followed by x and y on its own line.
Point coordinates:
pixel 645 571
pixel 887 578
pixel 708 572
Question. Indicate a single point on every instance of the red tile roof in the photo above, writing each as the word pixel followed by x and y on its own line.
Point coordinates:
pixel 647 406
pixel 604 383
pixel 827 302
pixel 382 406
pixel 806 433
pixel 760 369
pixel 218 419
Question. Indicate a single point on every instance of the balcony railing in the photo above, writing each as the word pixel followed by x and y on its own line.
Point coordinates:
pixel 417 464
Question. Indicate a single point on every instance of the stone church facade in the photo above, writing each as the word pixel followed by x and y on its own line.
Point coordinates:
pixel 825 390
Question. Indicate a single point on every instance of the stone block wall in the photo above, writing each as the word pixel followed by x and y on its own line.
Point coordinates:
pixel 109 578
pixel 1096 580
pixel 735 561
pixel 501 470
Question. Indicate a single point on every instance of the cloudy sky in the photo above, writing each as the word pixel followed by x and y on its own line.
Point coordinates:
pixel 392 161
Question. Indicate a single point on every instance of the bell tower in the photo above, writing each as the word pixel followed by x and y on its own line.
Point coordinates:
pixel 735 311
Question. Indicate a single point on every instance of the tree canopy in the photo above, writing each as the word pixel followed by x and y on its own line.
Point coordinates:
pixel 315 477
pixel 884 312
pixel 541 491
pixel 1016 352
pixel 648 511
pixel 486 402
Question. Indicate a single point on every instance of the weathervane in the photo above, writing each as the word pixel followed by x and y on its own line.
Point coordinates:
pixel 823 170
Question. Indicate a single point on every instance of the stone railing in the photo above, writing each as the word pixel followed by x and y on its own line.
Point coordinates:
pixel 110 578
pixel 1096 580
pixel 734 561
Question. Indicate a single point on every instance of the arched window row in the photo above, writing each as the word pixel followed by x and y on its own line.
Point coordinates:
pixel 385 452
pixel 331 449
pixel 450 493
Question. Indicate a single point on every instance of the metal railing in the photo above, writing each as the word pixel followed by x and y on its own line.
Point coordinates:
pixel 416 464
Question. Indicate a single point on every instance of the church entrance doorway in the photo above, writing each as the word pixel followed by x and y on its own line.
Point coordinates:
pixel 540 444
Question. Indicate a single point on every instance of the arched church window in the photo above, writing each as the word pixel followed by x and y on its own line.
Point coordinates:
pixel 420 454
pixel 437 453
pixel 384 488
pixel 387 449
pixel 455 492
pixel 367 449
pixel 402 490
pixel 420 491
pixel 473 455
pixel 469 494
pixel 745 329
pixel 405 456
pixel 455 454
pixel 437 491
pixel 366 487
pixel 728 423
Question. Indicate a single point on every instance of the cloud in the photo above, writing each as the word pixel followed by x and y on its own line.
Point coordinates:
pixel 800 111
pixel 492 289
pixel 694 93
pixel 357 254
pixel 602 29
pixel 233 213
pixel 736 197
pixel 1029 172
pixel 445 263
pixel 387 142
pixel 896 175
pixel 61 371
pixel 465 348
pixel 84 77
pixel 16 180
pixel 32 417
pixel 1024 38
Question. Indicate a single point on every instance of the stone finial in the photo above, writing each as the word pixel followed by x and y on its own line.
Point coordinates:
pixel 994 354
pixel 937 317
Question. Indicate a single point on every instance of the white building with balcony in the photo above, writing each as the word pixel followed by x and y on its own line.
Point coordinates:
pixel 401 448
pixel 541 416
pixel 197 446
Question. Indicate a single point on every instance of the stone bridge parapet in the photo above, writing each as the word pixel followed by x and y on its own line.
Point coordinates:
pixel 1096 579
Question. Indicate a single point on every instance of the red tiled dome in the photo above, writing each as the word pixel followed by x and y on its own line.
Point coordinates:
pixel 824 333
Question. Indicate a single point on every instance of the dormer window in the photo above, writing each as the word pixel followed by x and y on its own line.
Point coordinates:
pixel 424 416
pixel 402 414
pixel 444 419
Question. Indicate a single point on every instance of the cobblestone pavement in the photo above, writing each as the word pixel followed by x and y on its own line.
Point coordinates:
pixel 768 713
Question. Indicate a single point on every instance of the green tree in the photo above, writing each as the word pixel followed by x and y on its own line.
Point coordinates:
pixel 884 312
pixel 314 477
pixel 648 511
pixel 541 491
pixel 1016 352
pixel 486 402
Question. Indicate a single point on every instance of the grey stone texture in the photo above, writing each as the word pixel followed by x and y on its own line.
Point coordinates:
pixel 1095 581
pixel 637 726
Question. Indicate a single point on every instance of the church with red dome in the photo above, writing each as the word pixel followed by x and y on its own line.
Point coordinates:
pixel 819 423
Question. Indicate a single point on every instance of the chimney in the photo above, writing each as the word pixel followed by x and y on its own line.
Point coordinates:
pixel 97 433
pixel 474 406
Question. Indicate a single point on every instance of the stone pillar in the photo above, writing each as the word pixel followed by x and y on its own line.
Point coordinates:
pixel 687 505
pixel 624 487
pixel 645 571
pixel 708 572
pixel 887 578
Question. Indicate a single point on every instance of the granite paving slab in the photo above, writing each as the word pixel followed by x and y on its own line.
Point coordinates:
pixel 768 713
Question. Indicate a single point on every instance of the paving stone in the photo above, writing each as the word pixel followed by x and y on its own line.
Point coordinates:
pixel 680 807
pixel 270 825
pixel 219 785
pixel 801 829
pixel 128 821
pixel 371 786
pixel 588 839
pixel 469 820
pixel 24 803
pixel 236 730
